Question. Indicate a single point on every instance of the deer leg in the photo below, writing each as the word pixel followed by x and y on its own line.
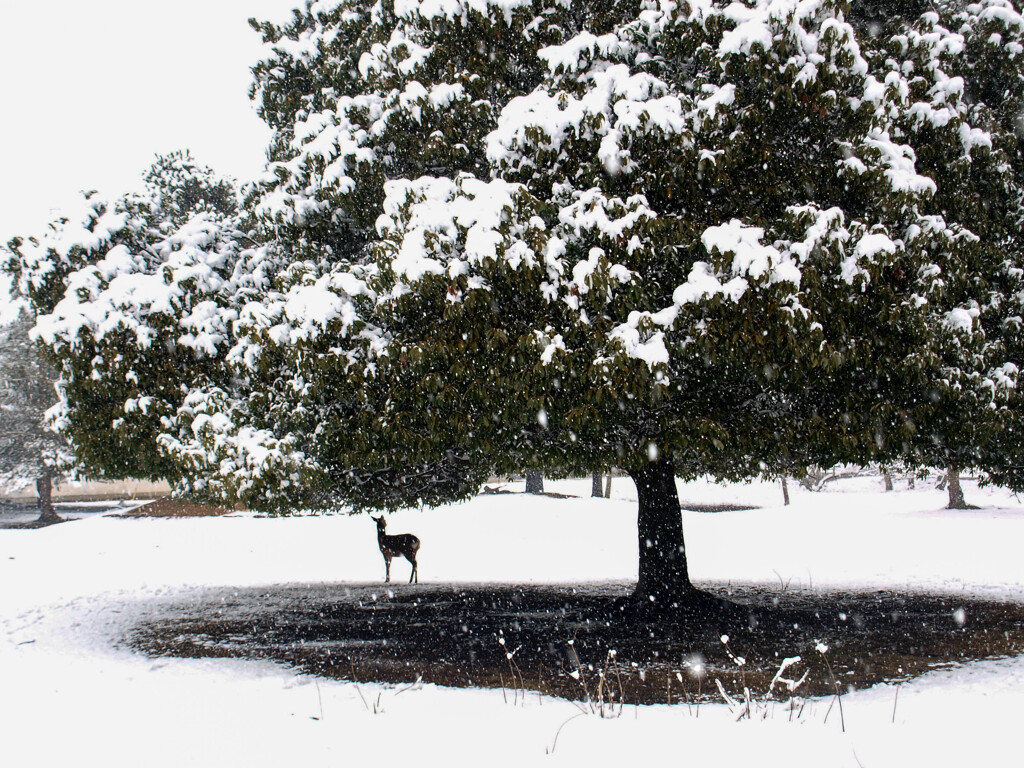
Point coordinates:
pixel 415 570
pixel 387 569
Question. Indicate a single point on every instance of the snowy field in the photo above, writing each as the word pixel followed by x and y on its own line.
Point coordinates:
pixel 70 695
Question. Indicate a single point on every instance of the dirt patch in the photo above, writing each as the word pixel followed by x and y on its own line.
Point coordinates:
pixel 167 507
pixel 721 507
pixel 574 643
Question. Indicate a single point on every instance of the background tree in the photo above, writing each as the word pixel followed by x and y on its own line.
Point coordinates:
pixel 30 451
pixel 125 297
pixel 959 110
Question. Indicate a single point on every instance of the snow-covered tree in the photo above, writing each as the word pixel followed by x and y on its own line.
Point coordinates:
pixel 675 237
pixel 30 451
pixel 127 294
pixel 959 108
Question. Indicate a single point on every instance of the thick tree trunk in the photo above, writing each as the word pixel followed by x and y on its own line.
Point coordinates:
pixel 887 478
pixel 44 490
pixel 956 493
pixel 785 492
pixel 664 582
pixel 595 486
pixel 608 486
pixel 535 481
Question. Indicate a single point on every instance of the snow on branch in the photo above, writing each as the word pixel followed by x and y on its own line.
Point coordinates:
pixel 449 226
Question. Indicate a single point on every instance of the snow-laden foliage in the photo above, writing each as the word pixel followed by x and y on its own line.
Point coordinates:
pixel 180 189
pixel 358 93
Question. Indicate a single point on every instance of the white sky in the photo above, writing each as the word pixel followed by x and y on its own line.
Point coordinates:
pixel 91 90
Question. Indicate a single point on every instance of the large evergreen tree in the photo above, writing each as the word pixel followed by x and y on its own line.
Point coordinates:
pixel 680 238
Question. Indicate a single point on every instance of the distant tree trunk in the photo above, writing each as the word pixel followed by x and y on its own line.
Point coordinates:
pixel 44 489
pixel 595 486
pixel 956 493
pixel 535 481
pixel 887 478
pixel 608 486
pixel 785 492
pixel 663 581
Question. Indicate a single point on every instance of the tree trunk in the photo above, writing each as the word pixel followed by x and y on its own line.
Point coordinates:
pixel 595 486
pixel 956 493
pixel 535 481
pixel 887 478
pixel 44 490
pixel 608 486
pixel 664 582
pixel 785 492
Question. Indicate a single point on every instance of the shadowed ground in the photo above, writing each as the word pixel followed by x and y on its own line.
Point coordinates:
pixel 573 642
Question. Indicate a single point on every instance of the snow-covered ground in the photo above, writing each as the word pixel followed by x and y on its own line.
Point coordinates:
pixel 69 695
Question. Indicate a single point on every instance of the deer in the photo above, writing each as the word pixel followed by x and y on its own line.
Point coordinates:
pixel 404 544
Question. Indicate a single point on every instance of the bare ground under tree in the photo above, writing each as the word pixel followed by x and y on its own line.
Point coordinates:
pixel 564 640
